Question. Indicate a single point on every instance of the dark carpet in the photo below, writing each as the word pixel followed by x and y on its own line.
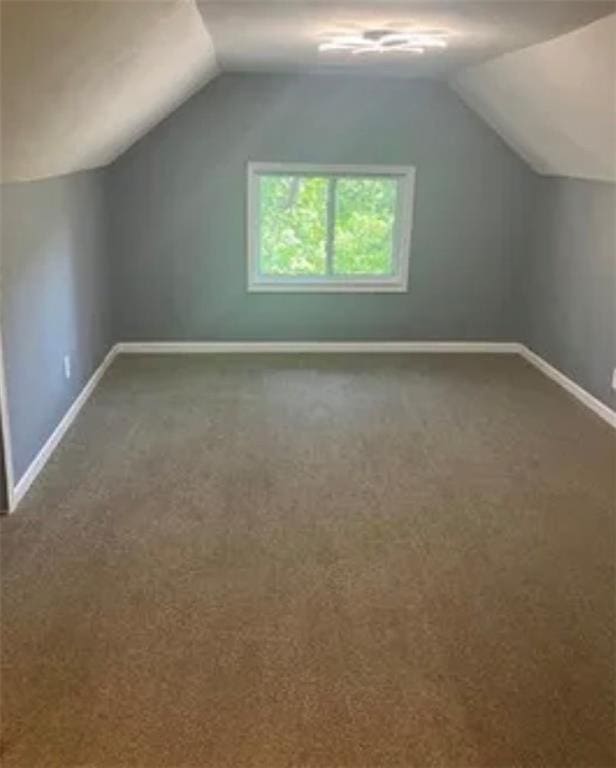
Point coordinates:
pixel 326 561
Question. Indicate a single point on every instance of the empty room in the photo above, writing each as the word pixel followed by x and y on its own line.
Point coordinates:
pixel 308 384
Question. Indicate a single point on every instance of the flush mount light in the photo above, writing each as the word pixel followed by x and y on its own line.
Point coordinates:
pixel 415 41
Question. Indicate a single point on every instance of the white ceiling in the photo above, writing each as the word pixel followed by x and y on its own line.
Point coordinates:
pixel 283 36
pixel 554 103
pixel 81 80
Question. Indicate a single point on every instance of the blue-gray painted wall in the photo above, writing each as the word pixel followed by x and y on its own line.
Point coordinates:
pixel 54 300
pixel 570 281
pixel 178 210
pixel 154 247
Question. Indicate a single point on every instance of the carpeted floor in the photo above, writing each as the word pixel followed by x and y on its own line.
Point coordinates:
pixel 358 561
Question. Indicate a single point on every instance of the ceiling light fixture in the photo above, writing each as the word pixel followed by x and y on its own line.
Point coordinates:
pixel 415 41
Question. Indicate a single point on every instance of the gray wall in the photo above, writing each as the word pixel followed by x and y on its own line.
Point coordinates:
pixel 54 300
pixel 177 202
pixel 157 241
pixel 571 281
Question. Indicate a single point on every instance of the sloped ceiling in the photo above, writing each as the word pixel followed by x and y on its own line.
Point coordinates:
pixel 554 103
pixel 83 79
pixel 283 36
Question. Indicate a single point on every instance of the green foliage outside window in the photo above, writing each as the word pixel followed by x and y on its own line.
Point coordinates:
pixel 365 214
pixel 294 225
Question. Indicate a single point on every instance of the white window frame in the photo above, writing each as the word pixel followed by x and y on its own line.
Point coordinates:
pixel 397 282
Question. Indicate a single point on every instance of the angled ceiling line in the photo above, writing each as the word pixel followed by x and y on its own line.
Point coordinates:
pixel 94 77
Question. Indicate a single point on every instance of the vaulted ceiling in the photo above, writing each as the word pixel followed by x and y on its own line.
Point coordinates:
pixel 554 103
pixel 81 80
pixel 283 36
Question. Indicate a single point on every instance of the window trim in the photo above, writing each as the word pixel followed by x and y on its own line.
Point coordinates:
pixel 397 283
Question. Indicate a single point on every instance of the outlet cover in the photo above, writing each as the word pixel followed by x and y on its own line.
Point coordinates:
pixel 614 379
pixel 67 366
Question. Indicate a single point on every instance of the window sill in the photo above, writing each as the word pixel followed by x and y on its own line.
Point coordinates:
pixel 330 287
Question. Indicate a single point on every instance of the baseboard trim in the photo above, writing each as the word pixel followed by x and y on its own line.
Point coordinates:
pixel 29 476
pixel 19 489
pixel 293 347
pixel 590 401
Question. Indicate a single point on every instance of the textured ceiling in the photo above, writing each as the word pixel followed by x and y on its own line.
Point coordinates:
pixel 82 80
pixel 554 103
pixel 283 36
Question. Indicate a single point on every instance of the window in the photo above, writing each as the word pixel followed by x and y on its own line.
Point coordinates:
pixel 329 227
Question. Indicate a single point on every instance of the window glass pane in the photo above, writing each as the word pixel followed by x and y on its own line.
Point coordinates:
pixel 364 233
pixel 293 225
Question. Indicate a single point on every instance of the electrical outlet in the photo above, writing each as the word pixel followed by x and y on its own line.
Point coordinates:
pixel 67 366
pixel 614 379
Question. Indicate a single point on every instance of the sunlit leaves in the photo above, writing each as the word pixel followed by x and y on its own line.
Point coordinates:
pixel 294 225
pixel 365 214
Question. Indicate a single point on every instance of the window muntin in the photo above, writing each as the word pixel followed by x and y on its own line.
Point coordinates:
pixel 329 228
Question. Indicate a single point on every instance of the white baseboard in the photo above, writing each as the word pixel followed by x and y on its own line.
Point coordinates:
pixel 279 347
pixel 17 492
pixel 590 401
pixel 42 457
